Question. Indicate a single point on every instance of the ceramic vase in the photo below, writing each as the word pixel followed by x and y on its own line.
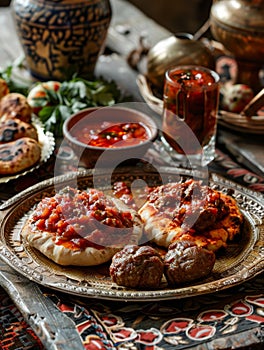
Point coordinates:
pixel 61 37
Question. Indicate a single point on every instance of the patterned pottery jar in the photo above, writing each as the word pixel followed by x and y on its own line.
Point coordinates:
pixel 61 37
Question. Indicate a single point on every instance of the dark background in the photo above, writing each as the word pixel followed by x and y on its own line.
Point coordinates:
pixel 175 15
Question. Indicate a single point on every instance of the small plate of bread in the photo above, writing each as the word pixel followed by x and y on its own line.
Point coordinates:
pixel 24 145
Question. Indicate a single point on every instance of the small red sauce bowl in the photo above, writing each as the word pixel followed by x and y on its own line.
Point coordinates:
pixel 133 131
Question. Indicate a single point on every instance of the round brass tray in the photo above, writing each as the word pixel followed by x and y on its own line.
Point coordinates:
pixel 243 259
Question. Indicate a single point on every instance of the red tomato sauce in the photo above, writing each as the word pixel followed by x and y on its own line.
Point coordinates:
pixel 179 201
pixel 193 97
pixel 74 217
pixel 112 135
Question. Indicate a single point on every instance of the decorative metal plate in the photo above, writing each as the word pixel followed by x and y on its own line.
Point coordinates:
pixel 47 143
pixel 242 260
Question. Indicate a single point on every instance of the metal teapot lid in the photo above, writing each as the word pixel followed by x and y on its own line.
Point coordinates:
pixel 240 14
pixel 178 49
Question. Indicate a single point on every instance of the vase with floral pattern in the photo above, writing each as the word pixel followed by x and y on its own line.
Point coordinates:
pixel 61 37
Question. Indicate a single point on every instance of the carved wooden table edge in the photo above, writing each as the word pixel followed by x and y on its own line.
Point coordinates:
pixel 55 329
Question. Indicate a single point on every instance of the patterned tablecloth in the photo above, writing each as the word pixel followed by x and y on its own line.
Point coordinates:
pixel 215 321
pixel 231 318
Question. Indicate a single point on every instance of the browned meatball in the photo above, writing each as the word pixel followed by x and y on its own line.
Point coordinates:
pixel 137 267
pixel 185 262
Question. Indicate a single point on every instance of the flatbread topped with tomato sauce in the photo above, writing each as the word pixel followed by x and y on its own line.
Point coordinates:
pixel 81 228
pixel 193 212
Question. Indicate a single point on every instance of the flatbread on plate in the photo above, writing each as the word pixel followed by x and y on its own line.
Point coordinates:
pixel 190 211
pixel 81 228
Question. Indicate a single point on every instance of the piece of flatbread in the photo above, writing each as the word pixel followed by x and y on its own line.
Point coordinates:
pixel 190 211
pixel 4 89
pixel 19 155
pixel 90 227
pixel 15 105
pixel 14 129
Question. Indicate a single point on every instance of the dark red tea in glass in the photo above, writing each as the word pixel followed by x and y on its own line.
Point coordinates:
pixel 190 98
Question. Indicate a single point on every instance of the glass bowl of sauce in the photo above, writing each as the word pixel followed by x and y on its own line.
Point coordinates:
pixel 109 135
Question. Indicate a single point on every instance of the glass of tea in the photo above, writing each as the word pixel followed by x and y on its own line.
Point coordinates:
pixel 191 97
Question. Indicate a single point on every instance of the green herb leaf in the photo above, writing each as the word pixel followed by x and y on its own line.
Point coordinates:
pixel 74 95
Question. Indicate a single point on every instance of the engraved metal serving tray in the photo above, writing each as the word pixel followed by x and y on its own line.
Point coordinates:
pixel 243 259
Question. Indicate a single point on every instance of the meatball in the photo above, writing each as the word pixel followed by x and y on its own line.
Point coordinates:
pixel 137 267
pixel 185 262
